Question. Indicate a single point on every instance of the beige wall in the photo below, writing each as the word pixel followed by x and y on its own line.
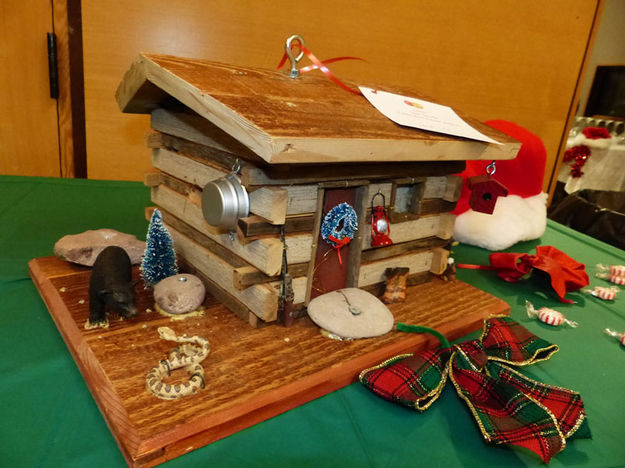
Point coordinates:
pixel 493 59
pixel 609 47
pixel 29 140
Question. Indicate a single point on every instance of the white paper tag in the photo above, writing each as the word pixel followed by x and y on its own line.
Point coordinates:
pixel 413 112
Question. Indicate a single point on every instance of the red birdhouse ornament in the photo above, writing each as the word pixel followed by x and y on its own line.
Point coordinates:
pixel 485 190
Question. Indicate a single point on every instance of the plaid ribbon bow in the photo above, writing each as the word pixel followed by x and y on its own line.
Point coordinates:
pixel 508 407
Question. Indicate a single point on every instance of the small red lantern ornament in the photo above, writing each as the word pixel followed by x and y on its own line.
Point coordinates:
pixel 380 224
pixel 485 190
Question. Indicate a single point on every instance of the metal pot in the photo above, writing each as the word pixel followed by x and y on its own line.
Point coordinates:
pixel 224 201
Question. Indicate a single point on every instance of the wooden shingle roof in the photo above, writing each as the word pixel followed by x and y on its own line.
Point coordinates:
pixel 283 120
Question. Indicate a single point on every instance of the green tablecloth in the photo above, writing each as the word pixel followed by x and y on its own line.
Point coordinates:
pixel 50 419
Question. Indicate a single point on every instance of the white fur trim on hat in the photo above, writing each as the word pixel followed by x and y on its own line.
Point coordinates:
pixel 580 139
pixel 515 219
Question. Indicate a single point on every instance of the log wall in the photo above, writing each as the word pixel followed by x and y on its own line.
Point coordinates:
pixel 245 268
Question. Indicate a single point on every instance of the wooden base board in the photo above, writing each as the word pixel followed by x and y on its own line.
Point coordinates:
pixel 251 374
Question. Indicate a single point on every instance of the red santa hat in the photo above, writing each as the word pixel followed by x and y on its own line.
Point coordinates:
pixel 522 215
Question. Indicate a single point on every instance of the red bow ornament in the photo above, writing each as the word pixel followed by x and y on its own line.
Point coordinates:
pixel 566 274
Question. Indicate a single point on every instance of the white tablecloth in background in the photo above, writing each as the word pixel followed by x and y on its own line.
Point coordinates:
pixel 604 170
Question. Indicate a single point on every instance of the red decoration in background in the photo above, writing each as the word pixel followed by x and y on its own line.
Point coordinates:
pixel 595 133
pixel 579 154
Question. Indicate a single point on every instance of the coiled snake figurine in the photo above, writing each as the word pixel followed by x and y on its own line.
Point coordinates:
pixel 187 356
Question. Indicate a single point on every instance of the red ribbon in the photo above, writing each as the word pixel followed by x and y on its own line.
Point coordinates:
pixel 468 266
pixel 566 274
pixel 320 64
pixel 339 244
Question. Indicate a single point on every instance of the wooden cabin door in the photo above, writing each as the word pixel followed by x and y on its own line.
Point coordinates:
pixel 29 141
pixel 332 268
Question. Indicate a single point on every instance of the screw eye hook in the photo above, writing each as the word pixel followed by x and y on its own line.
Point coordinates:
pixel 299 42
pixel 490 169
pixel 236 167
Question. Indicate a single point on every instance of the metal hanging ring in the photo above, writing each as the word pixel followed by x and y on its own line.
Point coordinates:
pixel 491 169
pixel 236 167
pixel 289 53
pixel 383 198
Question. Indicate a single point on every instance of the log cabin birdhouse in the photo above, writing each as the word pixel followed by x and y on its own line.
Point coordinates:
pixel 266 182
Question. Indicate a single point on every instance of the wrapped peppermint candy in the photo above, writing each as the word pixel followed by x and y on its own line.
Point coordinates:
pixel 612 270
pixel 617 335
pixel 607 294
pixel 548 316
pixel 612 278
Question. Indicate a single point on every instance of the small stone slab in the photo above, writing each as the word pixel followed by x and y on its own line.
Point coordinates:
pixel 351 313
pixel 179 294
pixel 83 248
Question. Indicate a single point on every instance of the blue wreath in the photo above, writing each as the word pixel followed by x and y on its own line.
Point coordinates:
pixel 342 212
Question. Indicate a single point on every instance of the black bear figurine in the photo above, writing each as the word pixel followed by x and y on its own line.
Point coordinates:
pixel 111 287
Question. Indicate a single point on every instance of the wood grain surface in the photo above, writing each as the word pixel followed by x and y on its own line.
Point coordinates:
pixel 255 174
pixel 251 374
pixel 284 120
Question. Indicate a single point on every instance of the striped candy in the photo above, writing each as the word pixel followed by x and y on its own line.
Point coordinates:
pixel 612 278
pixel 617 270
pixel 614 270
pixel 617 335
pixel 548 316
pixel 607 294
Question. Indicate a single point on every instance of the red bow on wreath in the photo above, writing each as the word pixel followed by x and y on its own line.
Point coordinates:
pixel 338 245
pixel 566 274
pixel 509 408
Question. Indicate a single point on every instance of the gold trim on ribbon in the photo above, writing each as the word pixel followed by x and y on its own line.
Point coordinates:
pixel 383 364
pixel 534 359
pixel 551 349
pixel 432 395
pixel 582 414
pixel 478 420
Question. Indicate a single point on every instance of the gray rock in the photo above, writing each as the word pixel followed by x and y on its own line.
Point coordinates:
pixel 351 313
pixel 83 248
pixel 179 294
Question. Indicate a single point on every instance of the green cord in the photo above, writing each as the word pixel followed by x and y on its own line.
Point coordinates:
pixel 421 329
